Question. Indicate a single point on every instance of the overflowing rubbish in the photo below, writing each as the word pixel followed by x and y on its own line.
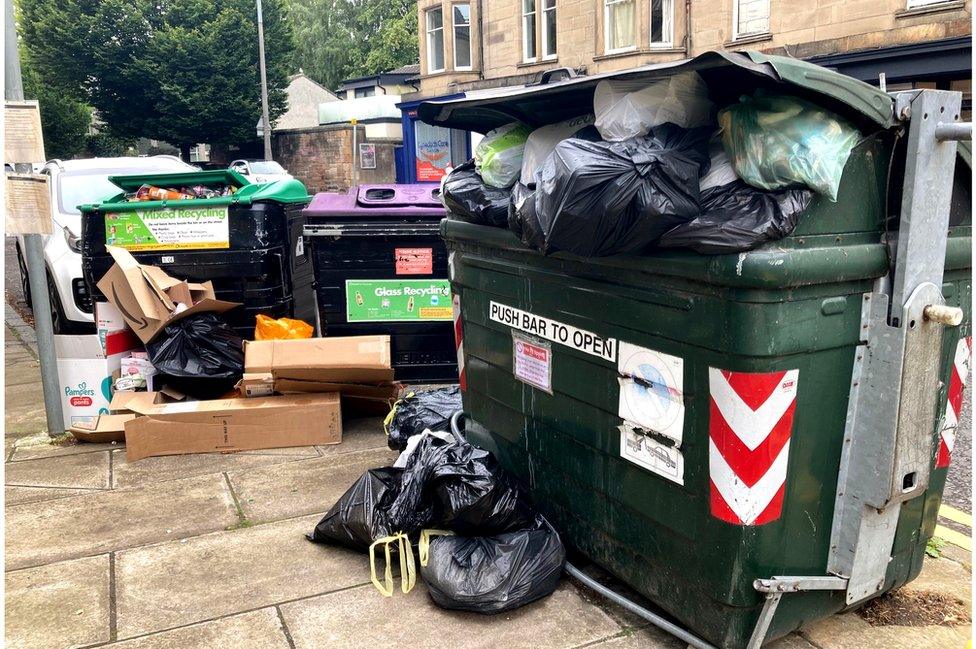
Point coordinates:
pixel 720 171
pixel 626 109
pixel 738 217
pixel 136 372
pixel 605 198
pixel 360 516
pixel 470 199
pixel 268 328
pixel 543 140
pixel 498 156
pixel 779 141
pixel 154 193
pixel 200 355
pixel 420 411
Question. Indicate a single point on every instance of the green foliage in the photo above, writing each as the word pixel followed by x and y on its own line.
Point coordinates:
pixel 181 71
pixel 934 547
pixel 64 119
pixel 339 39
pixel 107 145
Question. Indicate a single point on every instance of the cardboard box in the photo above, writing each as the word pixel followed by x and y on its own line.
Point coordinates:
pixel 259 384
pixel 225 425
pixel 351 359
pixel 137 366
pixel 85 371
pixel 149 299
pixel 101 429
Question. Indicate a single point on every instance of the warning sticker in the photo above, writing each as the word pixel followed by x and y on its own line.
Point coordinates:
pixel 557 332
pixel 414 261
pixel 532 362
pixel 651 454
pixel 651 390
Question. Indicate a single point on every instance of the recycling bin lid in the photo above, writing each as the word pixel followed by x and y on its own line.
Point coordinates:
pixel 381 200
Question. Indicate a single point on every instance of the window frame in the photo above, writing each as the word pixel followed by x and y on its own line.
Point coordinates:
pixel 922 4
pixel 606 28
pixel 454 40
pixel 667 26
pixel 544 31
pixel 535 31
pixel 736 35
pixel 428 30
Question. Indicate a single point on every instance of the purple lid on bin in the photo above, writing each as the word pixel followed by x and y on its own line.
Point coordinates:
pixel 419 199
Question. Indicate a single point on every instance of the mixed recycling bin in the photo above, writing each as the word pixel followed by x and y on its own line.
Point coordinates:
pixel 381 268
pixel 249 244
pixel 687 421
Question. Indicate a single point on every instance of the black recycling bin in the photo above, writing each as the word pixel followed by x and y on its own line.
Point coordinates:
pixel 381 268
pixel 249 244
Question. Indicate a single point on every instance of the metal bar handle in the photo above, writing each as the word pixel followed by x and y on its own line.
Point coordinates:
pixel 958 131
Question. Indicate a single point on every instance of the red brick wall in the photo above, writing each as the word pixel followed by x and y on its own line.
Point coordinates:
pixel 322 158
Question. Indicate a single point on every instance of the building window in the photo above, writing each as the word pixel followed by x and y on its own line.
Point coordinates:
pixel 750 18
pixel 618 26
pixel 915 4
pixel 548 29
pixel 662 23
pixel 528 31
pixel 461 19
pixel 365 92
pixel 435 40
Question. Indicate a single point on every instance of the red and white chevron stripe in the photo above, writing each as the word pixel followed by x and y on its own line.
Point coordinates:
pixel 459 338
pixel 749 430
pixel 957 385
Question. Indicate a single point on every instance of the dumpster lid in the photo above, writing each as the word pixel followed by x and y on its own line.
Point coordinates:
pixel 728 74
pixel 419 199
pixel 289 190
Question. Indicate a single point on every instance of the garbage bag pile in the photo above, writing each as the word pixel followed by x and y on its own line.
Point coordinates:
pixel 200 354
pixel 482 546
pixel 655 166
pixel 420 411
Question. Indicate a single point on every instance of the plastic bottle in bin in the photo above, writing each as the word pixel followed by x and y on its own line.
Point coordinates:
pixel 153 193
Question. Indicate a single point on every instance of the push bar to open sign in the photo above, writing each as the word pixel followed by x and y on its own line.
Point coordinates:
pixel 557 332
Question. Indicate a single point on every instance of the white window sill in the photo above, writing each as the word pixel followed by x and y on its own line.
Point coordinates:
pixel 749 38
pixel 935 7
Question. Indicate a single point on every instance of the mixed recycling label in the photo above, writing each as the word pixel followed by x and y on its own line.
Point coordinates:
pixel 398 300
pixel 195 228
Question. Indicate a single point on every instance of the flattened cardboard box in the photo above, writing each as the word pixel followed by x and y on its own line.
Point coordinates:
pixel 227 425
pixel 350 359
pixel 101 429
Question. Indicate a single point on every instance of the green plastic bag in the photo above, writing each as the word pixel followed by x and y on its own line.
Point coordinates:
pixel 778 141
pixel 498 157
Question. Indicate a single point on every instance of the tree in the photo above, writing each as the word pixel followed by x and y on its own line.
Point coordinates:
pixel 339 39
pixel 181 71
pixel 64 119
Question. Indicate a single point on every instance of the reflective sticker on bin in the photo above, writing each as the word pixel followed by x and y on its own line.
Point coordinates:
pixel 750 423
pixel 651 390
pixel 459 338
pixel 957 386
pixel 645 451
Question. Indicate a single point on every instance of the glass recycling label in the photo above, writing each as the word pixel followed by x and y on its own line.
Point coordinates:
pixel 397 300
pixel 195 228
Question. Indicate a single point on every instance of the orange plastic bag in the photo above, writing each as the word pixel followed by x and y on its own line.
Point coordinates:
pixel 280 329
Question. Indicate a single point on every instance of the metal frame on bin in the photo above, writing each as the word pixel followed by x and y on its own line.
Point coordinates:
pixel 887 452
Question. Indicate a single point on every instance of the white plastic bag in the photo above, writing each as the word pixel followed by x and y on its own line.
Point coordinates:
pixel 626 109
pixel 720 172
pixel 543 140
pixel 498 157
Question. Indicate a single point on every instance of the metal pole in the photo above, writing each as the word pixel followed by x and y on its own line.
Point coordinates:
pixel 265 120
pixel 34 251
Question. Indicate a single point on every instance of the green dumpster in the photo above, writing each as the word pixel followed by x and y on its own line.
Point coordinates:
pixel 751 441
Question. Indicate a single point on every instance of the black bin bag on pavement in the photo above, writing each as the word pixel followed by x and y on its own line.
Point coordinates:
pixel 360 516
pixel 737 217
pixel 200 355
pixel 597 199
pixel 418 411
pixel 493 574
pixel 467 197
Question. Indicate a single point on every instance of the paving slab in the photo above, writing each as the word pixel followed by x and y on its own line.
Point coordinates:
pixel 87 471
pixel 645 638
pixel 54 530
pixel 176 583
pixel 944 576
pixel 22 495
pixel 38 447
pixel 362 617
pixel 301 451
pixel 256 630
pixel 851 632
pixel 174 467
pixel 58 605
pixel 21 369
pixel 358 435
pixel 299 488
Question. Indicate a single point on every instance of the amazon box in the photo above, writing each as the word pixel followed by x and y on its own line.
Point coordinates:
pixel 149 299
pixel 101 429
pixel 349 359
pixel 164 427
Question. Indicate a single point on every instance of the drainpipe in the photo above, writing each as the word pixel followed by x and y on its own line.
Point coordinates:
pixel 481 39
pixel 688 28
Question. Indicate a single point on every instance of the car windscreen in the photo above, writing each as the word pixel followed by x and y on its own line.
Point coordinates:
pixel 76 189
pixel 266 167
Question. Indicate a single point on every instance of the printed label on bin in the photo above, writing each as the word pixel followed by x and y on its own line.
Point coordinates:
pixel 398 300
pixel 414 261
pixel 195 228
pixel 532 362
pixel 557 332
pixel 651 390
pixel 647 452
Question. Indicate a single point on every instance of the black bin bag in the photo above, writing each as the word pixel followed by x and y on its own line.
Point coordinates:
pixel 737 217
pixel 200 355
pixel 493 574
pixel 468 198
pixel 361 515
pixel 418 411
pixel 596 199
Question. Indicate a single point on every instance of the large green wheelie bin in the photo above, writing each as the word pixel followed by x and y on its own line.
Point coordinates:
pixel 752 441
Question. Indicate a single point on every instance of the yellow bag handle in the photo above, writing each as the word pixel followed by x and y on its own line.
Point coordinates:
pixel 408 570
pixel 392 413
pixel 423 546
